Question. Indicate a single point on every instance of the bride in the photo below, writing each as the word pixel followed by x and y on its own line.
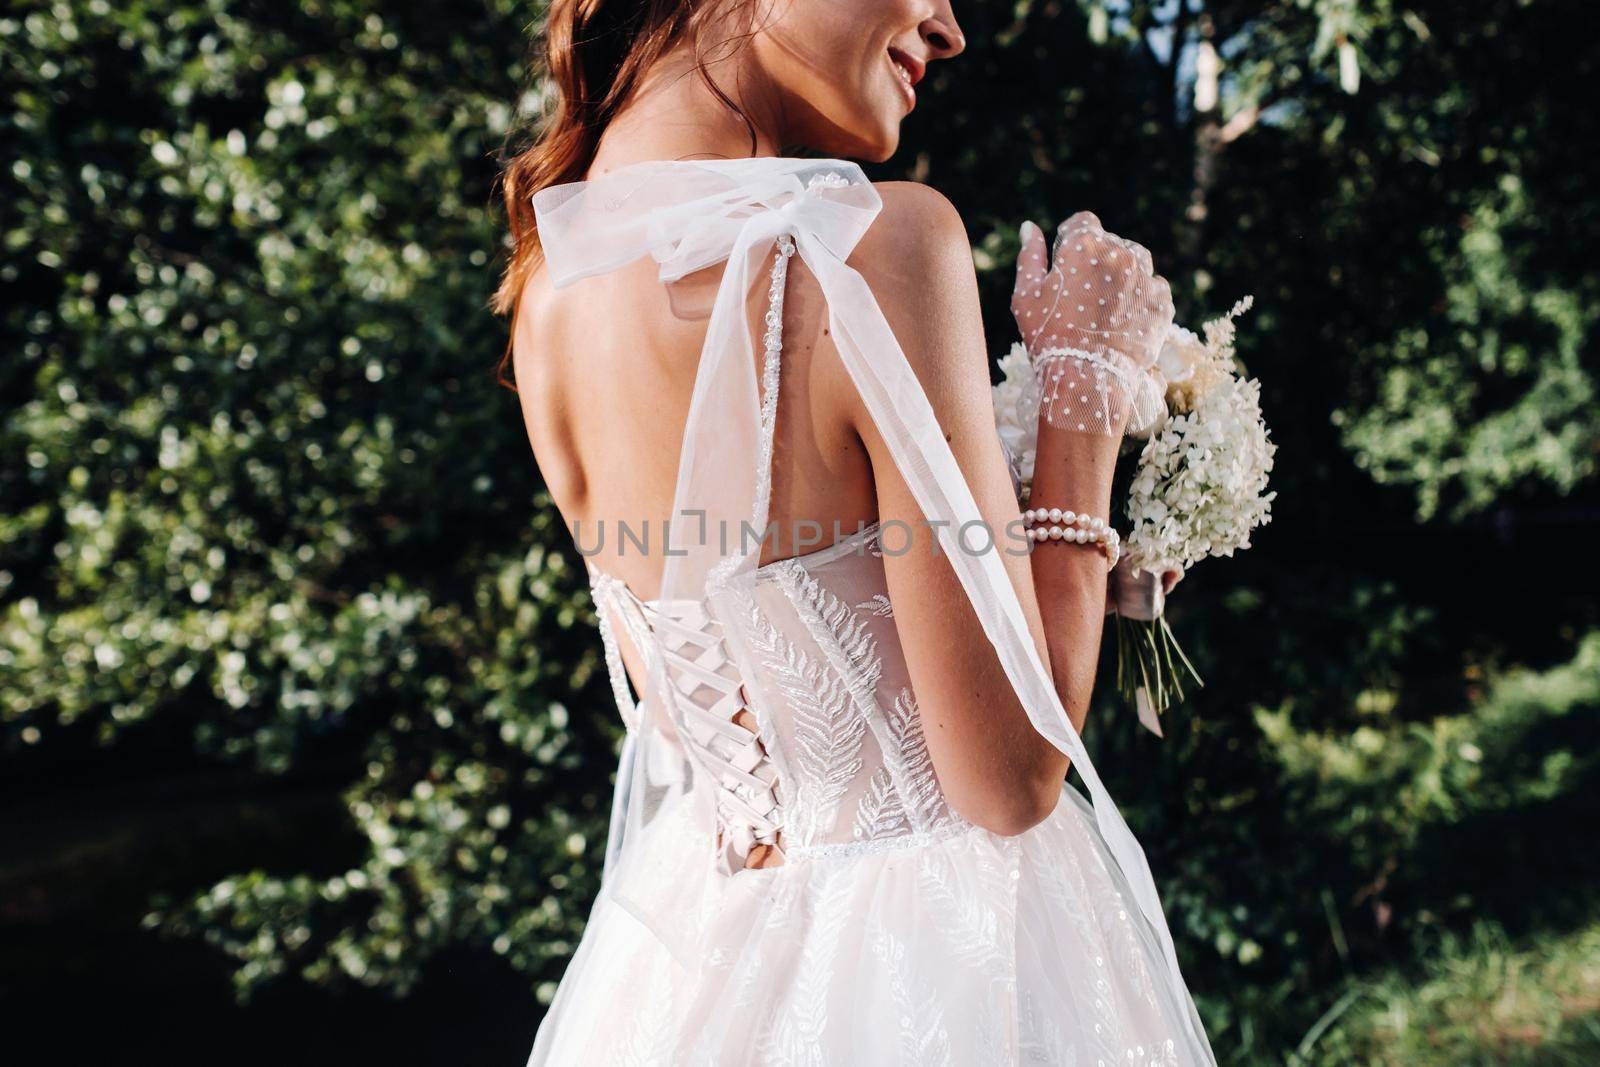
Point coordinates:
pixel 757 388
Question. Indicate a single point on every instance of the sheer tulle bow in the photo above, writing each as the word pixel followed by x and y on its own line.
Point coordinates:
pixel 628 213
pixel 783 206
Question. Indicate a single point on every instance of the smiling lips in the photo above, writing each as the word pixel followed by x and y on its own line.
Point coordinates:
pixel 909 69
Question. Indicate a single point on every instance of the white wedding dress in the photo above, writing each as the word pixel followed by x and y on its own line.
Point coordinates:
pixel 893 932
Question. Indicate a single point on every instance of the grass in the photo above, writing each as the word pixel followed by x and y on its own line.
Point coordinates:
pixel 1480 1000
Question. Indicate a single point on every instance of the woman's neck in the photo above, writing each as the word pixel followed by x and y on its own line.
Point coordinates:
pixel 674 114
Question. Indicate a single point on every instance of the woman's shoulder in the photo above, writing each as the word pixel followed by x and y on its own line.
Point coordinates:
pixel 918 239
pixel 917 259
pixel 916 218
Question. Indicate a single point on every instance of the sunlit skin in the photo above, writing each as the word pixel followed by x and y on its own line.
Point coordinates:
pixel 834 76
pixel 605 369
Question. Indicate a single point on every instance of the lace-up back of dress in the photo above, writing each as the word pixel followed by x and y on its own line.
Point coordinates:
pixel 706 703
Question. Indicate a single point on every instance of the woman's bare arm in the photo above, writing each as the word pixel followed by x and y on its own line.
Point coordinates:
pixel 1072 471
pixel 994 767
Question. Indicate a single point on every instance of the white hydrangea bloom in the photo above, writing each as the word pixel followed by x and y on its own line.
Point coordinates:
pixel 1016 412
pixel 1200 486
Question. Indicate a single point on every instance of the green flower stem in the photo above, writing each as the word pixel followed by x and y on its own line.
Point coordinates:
pixel 1150 658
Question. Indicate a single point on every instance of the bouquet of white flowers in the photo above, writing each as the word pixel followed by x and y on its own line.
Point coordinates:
pixel 1198 488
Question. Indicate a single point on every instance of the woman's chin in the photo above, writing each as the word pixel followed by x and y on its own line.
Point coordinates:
pixel 885 150
pixel 878 143
pixel 869 137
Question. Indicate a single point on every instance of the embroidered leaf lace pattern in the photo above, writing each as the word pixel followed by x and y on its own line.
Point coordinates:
pixel 825 734
pixel 917 805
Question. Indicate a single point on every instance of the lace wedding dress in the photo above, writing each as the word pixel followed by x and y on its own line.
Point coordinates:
pixel 892 932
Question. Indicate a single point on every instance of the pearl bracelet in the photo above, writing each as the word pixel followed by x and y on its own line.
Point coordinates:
pixel 1061 525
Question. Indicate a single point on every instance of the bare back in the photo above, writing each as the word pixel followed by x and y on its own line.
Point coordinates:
pixel 605 394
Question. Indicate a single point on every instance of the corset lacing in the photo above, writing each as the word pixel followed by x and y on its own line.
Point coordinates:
pixel 697 662
pixel 708 697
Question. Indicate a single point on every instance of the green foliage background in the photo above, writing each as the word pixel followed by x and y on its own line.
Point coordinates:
pixel 298 681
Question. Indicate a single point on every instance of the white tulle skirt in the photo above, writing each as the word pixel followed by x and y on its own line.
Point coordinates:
pixel 961 948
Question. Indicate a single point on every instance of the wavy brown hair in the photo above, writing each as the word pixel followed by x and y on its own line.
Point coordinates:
pixel 594 54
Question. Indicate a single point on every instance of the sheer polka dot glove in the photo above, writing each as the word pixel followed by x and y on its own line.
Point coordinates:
pixel 1093 316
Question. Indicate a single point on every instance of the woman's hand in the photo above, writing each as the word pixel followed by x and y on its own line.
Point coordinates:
pixel 1140 596
pixel 1093 314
